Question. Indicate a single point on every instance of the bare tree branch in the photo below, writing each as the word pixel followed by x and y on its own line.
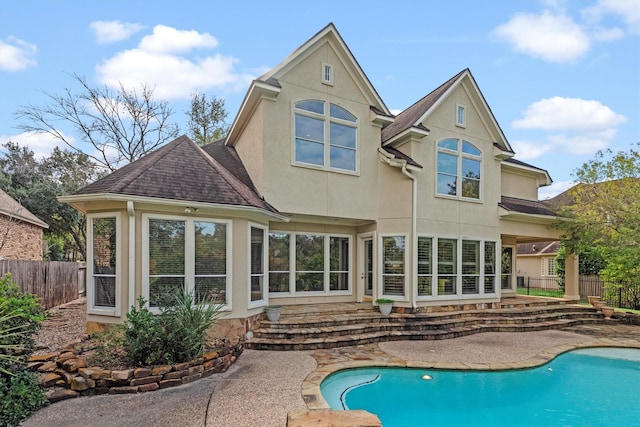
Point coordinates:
pixel 121 125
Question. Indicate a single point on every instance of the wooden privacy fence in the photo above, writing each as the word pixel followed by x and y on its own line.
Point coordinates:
pixel 54 282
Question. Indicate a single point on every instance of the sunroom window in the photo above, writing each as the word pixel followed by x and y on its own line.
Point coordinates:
pixel 425 267
pixel 186 254
pixel 459 165
pixel 104 254
pixel 325 137
pixel 447 266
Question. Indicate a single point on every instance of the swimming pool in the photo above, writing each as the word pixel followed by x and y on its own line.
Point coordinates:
pixel 587 387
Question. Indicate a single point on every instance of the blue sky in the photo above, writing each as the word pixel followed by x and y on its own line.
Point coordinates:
pixel 561 77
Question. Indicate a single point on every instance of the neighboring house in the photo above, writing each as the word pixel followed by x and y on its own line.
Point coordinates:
pixel 20 231
pixel 537 264
pixel 319 194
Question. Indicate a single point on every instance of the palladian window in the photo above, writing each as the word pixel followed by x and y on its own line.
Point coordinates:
pixel 325 136
pixel 459 165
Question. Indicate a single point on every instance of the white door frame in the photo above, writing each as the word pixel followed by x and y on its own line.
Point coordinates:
pixel 361 272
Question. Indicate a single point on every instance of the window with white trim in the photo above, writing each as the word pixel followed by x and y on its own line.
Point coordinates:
pixel 470 267
pixel 549 266
pixel 301 263
pixel 447 266
pixel 489 267
pixel 313 123
pixel 103 250
pixel 186 254
pixel 425 266
pixel 461 119
pixel 257 255
pixel 327 74
pixel 393 270
pixel 458 169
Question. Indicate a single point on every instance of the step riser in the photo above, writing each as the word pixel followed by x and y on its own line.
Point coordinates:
pixel 293 345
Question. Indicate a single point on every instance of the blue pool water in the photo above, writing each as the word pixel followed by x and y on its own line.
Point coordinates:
pixel 588 387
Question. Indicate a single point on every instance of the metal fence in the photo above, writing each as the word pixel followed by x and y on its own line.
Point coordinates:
pixel 623 294
pixel 540 286
pixel 54 282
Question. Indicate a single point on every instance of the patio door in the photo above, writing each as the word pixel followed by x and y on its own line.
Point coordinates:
pixel 366 269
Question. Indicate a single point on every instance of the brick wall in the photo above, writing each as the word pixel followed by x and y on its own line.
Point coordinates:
pixel 22 242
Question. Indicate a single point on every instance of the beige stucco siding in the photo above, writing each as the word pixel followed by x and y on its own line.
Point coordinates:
pixel 519 185
pixel 298 189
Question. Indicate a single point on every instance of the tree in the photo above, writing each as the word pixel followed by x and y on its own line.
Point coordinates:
pixel 603 212
pixel 207 119
pixel 36 184
pixel 120 126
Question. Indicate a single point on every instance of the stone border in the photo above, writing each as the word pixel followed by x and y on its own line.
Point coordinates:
pixel 315 401
pixel 66 375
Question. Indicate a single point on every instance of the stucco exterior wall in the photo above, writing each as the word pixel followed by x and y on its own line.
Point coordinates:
pixel 519 185
pixel 22 241
pixel 301 189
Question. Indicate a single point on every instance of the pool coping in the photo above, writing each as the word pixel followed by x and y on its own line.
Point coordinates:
pixel 315 401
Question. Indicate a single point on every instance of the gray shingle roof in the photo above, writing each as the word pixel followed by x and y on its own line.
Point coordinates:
pixel 532 207
pixel 408 118
pixel 183 171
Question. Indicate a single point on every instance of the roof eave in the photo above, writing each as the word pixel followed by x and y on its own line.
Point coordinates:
pixel 411 134
pixel 75 200
pixel 258 91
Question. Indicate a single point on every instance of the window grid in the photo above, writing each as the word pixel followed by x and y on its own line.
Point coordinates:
pixel 458 169
pixel 325 137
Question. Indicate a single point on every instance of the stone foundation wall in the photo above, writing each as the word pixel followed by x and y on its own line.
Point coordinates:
pixel 629 318
pixel 66 375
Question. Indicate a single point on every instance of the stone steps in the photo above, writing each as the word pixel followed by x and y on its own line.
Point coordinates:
pixel 323 330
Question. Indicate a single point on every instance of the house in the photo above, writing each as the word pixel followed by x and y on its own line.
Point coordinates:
pixel 319 194
pixel 537 264
pixel 20 231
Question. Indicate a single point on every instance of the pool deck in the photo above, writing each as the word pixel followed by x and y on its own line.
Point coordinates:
pixel 486 351
pixel 263 387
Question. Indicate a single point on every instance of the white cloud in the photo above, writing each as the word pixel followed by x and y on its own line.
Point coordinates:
pixel 607 34
pixel 626 10
pixel 554 189
pixel 530 150
pixel 114 31
pixel 42 144
pixel 169 40
pixel 574 114
pixel 553 38
pixel 586 143
pixel 581 126
pixel 16 54
pixel 161 61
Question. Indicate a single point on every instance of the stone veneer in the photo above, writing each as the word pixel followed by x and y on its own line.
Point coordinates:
pixel 66 375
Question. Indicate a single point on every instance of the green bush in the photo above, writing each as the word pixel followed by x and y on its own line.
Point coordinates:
pixel 177 334
pixel 20 395
pixel 20 318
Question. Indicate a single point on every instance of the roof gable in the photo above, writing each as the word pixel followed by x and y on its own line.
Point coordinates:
pixel 183 171
pixel 415 115
pixel 268 86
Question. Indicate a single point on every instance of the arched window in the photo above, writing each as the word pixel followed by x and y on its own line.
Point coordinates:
pixel 313 121
pixel 459 166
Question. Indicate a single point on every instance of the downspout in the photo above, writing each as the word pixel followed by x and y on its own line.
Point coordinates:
pixel 414 224
pixel 414 237
pixel 132 255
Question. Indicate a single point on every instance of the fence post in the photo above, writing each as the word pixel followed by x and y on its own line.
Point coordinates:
pixel 528 284
pixel 620 297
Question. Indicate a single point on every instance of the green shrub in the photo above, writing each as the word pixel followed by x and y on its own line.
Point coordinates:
pixel 20 395
pixel 20 318
pixel 177 334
